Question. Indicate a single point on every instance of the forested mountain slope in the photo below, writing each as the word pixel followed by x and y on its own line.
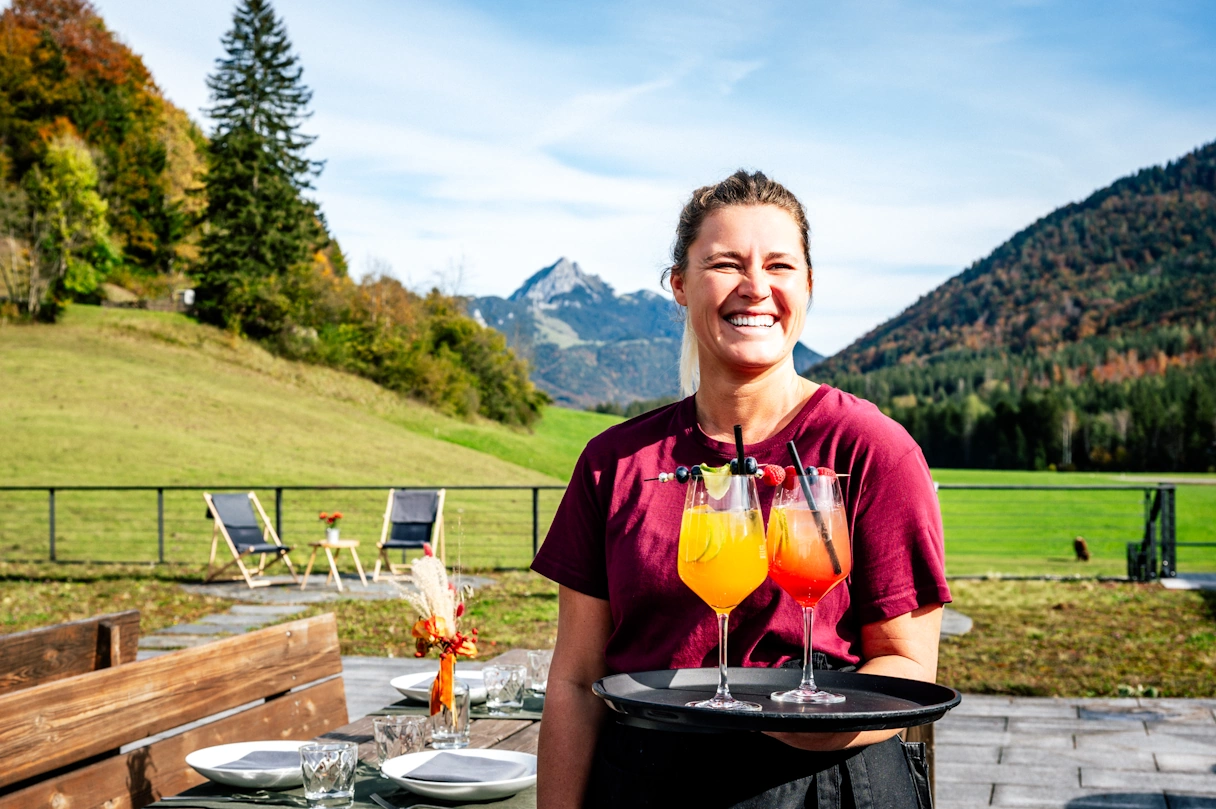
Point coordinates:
pixel 1086 339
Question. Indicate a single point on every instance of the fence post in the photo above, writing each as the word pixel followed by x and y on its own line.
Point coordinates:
pixel 535 520
pixel 1169 537
pixel 278 512
pixel 160 525
pixel 51 505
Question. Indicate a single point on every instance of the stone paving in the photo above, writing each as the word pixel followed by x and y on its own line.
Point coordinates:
pixel 1044 753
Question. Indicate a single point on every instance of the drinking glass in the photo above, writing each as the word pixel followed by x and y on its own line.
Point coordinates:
pixel 398 736
pixel 538 670
pixel 504 688
pixel 809 554
pixel 329 773
pixel 450 729
pixel 722 558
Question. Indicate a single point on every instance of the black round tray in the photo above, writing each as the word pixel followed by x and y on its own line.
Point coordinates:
pixel 656 699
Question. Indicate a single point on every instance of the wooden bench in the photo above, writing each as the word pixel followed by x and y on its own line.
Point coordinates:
pixel 59 740
pixel 52 653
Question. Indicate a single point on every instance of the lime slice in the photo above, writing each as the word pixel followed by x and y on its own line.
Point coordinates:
pixel 717 480
pixel 712 538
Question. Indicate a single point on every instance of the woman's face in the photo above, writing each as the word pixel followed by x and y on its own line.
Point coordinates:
pixel 746 287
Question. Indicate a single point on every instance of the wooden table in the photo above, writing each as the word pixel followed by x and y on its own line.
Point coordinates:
pixel 501 734
pixel 329 546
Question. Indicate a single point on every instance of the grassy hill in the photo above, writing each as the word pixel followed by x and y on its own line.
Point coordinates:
pixel 111 397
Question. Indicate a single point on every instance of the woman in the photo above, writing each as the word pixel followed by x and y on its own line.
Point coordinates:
pixel 742 271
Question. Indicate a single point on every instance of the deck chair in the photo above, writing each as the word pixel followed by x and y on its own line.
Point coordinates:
pixel 411 518
pixel 237 524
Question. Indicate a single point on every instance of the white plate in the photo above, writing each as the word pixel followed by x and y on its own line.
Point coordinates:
pixel 210 760
pixel 398 769
pixel 417 686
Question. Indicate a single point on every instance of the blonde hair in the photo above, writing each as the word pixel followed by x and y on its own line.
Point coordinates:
pixel 740 188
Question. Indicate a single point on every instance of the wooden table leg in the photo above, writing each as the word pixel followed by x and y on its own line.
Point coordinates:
pixel 307 570
pixel 333 569
pixel 358 567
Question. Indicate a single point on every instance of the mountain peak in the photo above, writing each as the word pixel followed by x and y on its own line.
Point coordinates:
pixel 563 277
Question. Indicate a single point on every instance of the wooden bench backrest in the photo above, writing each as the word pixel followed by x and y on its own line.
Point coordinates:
pixel 54 652
pixel 64 723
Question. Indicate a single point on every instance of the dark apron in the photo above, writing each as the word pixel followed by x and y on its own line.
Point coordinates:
pixel 641 768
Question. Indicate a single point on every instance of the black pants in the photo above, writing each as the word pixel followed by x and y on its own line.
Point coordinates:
pixel 657 768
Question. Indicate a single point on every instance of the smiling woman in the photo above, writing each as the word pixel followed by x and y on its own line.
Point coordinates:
pixel 742 272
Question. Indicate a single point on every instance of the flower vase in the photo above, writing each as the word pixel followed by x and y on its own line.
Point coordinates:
pixel 449 707
pixel 331 534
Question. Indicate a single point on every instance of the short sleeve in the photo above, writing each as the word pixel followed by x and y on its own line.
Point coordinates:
pixel 899 553
pixel 573 551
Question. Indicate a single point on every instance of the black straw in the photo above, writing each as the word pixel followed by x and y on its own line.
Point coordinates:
pixel 739 448
pixel 810 501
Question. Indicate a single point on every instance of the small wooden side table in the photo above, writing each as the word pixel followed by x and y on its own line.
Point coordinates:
pixel 329 546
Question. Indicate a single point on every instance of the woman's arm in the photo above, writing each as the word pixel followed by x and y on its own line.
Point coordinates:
pixel 573 714
pixel 903 646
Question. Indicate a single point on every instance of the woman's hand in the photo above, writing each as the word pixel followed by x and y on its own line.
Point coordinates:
pixel 903 646
pixel 573 714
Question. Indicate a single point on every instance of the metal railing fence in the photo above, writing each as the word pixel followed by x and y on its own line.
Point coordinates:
pixel 485 526
pixel 989 528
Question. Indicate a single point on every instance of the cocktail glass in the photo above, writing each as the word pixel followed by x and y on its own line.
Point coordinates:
pixel 722 558
pixel 809 554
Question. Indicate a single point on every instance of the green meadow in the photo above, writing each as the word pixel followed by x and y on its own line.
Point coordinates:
pixel 129 398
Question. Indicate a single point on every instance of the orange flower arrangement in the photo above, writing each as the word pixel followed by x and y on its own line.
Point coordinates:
pixel 330 520
pixel 440 607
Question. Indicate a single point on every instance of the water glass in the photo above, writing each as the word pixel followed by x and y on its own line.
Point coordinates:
pixel 398 736
pixel 504 688
pixel 538 670
pixel 329 773
pixel 450 729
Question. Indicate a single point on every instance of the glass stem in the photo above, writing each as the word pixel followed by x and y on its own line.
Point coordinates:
pixel 723 691
pixel 808 676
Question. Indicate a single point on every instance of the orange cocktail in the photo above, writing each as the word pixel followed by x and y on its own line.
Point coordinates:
pixel 721 556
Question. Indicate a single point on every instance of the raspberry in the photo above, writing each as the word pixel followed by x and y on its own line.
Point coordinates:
pixel 791 478
pixel 772 475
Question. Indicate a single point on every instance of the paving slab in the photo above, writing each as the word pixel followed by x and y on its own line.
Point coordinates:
pixel 954 623
pixel 949 795
pixel 1064 776
pixel 1045 797
pixel 967 753
pixel 990 723
pixel 234 623
pixel 1044 725
pixel 1005 706
pixel 275 610
pixel 1190 581
pixel 195 629
pixel 989 738
pixel 1204 783
pixel 1152 742
pixel 1128 759
pixel 1186 762
pixel 284 590
pixel 171 642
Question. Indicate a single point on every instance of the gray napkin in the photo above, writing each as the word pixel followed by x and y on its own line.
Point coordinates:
pixel 264 760
pixel 467 769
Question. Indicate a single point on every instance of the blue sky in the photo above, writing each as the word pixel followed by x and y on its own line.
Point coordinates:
pixel 498 136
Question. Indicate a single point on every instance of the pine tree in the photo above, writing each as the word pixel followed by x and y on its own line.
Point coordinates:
pixel 261 227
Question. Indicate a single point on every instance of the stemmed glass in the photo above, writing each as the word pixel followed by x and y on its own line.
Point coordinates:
pixel 722 557
pixel 809 554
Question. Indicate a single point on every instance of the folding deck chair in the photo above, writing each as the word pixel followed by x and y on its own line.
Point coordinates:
pixel 237 524
pixel 411 518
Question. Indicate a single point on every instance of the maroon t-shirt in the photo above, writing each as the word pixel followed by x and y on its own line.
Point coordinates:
pixel 615 536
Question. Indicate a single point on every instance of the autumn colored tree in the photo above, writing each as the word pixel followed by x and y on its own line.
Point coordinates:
pixel 262 230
